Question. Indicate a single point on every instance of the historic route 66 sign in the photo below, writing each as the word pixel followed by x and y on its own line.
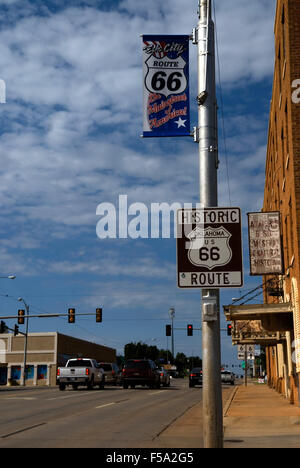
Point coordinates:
pixel 209 248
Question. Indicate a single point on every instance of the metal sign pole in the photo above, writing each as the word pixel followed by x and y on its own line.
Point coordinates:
pixel 246 366
pixel 208 165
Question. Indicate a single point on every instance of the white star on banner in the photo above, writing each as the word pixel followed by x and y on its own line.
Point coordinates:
pixel 180 122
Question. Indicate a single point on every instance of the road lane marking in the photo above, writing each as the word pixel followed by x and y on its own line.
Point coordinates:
pixel 68 396
pixel 156 393
pixel 19 398
pixel 103 406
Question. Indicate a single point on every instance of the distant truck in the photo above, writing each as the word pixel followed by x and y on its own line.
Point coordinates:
pixel 81 372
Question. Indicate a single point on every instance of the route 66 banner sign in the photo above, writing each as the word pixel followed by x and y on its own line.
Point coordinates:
pixel 166 86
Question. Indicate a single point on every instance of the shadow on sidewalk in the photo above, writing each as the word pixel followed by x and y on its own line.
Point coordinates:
pixel 260 417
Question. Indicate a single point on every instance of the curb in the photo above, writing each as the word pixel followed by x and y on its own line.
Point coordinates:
pixel 229 401
pixel 17 388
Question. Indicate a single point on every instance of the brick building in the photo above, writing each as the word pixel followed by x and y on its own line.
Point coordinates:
pixel 282 193
pixel 45 352
pixel 277 320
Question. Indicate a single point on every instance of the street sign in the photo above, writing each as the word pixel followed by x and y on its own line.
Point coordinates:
pixel 241 352
pixel 209 248
pixel 248 349
pixel 166 86
pixel 242 348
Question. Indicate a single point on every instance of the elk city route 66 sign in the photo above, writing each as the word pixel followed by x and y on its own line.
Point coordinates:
pixel 209 248
pixel 166 86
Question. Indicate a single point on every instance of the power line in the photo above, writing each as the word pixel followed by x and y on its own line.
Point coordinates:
pixel 222 106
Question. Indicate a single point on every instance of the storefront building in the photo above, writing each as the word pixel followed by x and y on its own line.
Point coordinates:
pixel 282 193
pixel 275 324
pixel 45 352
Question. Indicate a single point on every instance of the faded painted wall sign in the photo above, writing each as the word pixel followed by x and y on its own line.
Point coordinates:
pixel 265 243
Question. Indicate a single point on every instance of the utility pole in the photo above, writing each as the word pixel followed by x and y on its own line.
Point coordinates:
pixel 207 137
pixel 172 315
pixel 25 341
pixel 246 366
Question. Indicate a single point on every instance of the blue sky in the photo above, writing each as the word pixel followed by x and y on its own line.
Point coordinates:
pixel 70 140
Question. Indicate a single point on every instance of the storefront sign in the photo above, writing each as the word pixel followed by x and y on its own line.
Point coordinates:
pixel 265 243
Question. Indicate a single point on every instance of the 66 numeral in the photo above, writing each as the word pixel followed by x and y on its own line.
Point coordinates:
pixel 206 254
pixel 159 81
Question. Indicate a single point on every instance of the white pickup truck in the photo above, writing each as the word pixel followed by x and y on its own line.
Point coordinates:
pixel 80 371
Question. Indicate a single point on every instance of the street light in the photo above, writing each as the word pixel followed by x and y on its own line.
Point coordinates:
pixel 8 277
pixel 26 337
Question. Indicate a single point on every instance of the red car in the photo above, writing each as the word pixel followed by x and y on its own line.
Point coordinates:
pixel 140 372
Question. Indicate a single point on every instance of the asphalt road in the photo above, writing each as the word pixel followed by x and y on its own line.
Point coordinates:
pixel 109 418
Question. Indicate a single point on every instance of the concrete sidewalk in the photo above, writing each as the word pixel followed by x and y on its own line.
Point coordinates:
pixel 187 430
pixel 254 417
pixel 259 417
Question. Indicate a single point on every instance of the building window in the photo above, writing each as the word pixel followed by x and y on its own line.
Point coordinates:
pixel 279 71
pixel 29 373
pixel 287 241
pixel 283 153
pixel 16 372
pixel 283 32
pixel 286 128
pixel 287 162
pixel 291 225
pixel 42 372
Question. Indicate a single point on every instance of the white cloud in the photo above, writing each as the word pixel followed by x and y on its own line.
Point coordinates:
pixel 73 116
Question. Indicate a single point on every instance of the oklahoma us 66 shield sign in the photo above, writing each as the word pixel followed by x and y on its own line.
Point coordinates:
pixel 166 86
pixel 209 248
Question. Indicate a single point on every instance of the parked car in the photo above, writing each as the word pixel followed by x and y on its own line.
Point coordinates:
pixel 227 377
pixel 195 377
pixel 80 371
pixel 140 372
pixel 165 378
pixel 111 372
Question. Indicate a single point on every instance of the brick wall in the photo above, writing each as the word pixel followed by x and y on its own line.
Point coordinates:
pixel 282 175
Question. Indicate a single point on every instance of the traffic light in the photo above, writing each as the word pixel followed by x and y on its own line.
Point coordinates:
pixel 168 330
pixel 229 329
pixel 16 330
pixel 98 315
pixel 21 313
pixel 190 330
pixel 3 327
pixel 71 315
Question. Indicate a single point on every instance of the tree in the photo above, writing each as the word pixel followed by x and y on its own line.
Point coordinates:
pixel 141 351
pixel 161 356
pixel 181 363
pixel 194 361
